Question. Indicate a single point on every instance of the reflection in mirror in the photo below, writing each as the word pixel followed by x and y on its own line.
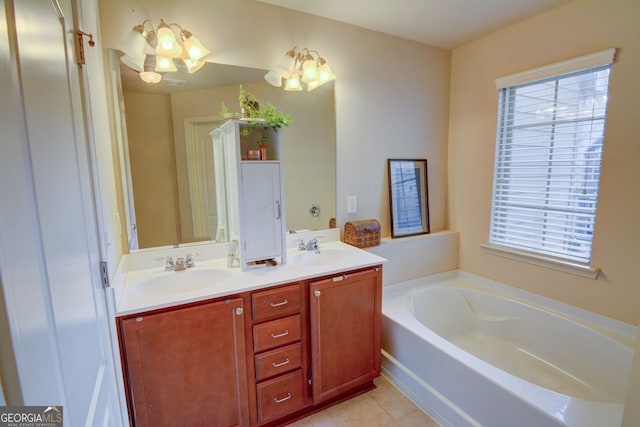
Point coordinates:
pixel 167 161
pixel 408 196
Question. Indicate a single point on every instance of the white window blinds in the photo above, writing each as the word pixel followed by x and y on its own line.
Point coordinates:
pixel 548 154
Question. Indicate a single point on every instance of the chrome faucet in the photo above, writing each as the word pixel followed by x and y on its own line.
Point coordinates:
pixel 180 265
pixel 311 245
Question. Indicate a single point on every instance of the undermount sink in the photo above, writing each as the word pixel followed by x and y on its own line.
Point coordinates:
pixel 325 257
pixel 176 282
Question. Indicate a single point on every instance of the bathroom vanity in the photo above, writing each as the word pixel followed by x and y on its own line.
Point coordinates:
pixel 259 347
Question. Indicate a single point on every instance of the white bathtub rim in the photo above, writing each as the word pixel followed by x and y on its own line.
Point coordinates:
pixel 622 332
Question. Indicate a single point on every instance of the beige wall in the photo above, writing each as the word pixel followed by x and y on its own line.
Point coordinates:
pixel 391 95
pixel 153 170
pixel 578 28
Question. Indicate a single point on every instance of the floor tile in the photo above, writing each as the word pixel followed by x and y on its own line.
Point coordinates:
pixel 384 406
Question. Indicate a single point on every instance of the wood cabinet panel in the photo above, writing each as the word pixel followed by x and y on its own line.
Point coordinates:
pixel 187 366
pixel 276 333
pixel 276 302
pixel 345 332
pixel 280 396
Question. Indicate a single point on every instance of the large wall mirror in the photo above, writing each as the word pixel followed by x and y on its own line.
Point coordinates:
pixel 167 160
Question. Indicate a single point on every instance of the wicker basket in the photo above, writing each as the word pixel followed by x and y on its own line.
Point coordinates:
pixel 362 234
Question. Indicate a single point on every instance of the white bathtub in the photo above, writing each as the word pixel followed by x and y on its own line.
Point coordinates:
pixel 474 352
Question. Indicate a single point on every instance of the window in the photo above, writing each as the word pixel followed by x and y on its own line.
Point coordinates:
pixel 551 124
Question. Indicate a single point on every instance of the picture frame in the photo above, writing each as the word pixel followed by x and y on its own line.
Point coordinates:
pixel 408 197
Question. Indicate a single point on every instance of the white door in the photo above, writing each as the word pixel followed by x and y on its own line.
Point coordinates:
pixel 202 185
pixel 49 248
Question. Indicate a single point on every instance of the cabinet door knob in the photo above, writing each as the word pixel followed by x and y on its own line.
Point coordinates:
pixel 239 311
pixel 317 293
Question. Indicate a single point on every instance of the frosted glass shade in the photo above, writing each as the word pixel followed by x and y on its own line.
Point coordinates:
pixel 293 84
pixel 167 44
pixel 192 66
pixel 133 48
pixel 165 65
pixel 195 49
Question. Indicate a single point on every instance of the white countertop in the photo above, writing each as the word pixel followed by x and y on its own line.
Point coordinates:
pixel 130 300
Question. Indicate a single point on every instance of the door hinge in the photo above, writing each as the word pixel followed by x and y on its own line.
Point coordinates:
pixel 104 274
pixel 79 37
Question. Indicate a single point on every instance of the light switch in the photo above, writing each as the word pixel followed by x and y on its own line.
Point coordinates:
pixel 352 204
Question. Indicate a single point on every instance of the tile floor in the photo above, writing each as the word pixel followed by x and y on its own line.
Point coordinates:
pixel 385 406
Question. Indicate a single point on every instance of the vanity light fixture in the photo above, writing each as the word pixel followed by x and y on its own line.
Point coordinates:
pixel 165 43
pixel 149 74
pixel 300 66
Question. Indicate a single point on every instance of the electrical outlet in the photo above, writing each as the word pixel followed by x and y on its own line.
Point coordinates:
pixel 352 204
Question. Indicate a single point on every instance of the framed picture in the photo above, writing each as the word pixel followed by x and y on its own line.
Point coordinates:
pixel 408 196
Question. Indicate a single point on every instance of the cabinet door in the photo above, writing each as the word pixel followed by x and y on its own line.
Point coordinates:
pixel 187 367
pixel 345 332
pixel 261 210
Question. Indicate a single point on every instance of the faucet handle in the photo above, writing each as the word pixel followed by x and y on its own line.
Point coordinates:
pixel 189 260
pixel 168 262
pixel 301 245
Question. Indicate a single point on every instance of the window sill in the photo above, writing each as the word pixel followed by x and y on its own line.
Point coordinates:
pixel 565 266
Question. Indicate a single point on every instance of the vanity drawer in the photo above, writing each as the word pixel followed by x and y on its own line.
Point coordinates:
pixel 276 302
pixel 276 333
pixel 277 361
pixel 280 396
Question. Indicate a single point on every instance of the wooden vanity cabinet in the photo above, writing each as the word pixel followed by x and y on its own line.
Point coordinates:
pixel 345 317
pixel 186 366
pixel 259 358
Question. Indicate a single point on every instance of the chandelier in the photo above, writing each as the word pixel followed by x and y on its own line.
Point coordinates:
pixel 300 66
pixel 151 50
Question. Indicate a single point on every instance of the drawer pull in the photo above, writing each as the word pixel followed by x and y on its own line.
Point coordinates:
pixel 287 397
pixel 284 334
pixel 277 365
pixel 278 304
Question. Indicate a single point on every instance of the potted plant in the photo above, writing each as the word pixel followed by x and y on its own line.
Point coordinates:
pixel 259 115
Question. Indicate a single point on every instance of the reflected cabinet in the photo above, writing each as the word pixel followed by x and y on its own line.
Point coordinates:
pixel 250 193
